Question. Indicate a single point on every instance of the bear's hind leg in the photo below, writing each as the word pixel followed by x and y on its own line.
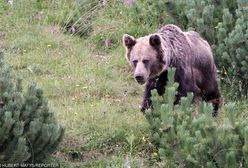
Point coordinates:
pixel 213 97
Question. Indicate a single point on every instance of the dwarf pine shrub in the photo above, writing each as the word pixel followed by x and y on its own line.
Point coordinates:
pixel 188 136
pixel 28 129
pixel 223 24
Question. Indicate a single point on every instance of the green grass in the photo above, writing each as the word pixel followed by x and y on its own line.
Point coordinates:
pixel 90 88
pixel 91 92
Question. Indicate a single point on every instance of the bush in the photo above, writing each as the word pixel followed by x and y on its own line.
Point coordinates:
pixel 28 130
pixel 223 24
pixel 188 136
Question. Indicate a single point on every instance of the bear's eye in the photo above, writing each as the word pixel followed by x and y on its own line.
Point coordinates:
pixel 135 63
pixel 146 62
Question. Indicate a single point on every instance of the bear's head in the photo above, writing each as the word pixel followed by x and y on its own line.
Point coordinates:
pixel 146 55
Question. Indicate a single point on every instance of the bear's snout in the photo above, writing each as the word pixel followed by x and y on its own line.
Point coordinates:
pixel 140 79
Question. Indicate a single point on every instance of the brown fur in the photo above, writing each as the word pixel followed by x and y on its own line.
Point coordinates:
pixel 150 57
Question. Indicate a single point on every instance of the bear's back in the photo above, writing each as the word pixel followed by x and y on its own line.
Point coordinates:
pixel 202 53
pixel 189 48
pixel 175 39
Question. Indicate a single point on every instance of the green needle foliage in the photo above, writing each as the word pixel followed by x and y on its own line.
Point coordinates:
pixel 28 130
pixel 188 136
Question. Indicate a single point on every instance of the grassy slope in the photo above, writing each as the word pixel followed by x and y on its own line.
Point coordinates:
pixel 93 94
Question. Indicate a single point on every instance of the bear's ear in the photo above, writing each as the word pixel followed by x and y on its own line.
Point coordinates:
pixel 155 40
pixel 128 41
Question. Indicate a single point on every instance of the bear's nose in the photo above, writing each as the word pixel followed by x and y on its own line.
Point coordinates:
pixel 139 78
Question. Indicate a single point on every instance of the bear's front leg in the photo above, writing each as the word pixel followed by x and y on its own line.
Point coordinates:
pixel 181 78
pixel 146 104
pixel 159 84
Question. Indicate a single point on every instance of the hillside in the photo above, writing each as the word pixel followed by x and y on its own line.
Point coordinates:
pixel 91 91
pixel 77 57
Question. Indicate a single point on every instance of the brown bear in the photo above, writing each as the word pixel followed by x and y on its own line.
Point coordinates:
pixel 152 55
